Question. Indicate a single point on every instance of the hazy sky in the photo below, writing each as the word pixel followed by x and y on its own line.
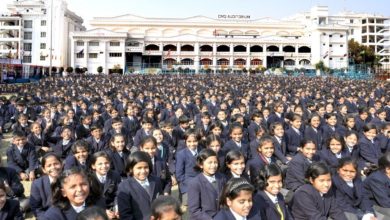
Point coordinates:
pixel 211 8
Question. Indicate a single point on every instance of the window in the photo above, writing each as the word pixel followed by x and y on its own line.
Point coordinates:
pixel 331 58
pixel 323 44
pixel 27 35
pixel 115 54
pixel 94 43
pixel 330 35
pixel 351 21
pixel 92 55
pixel 42 58
pixel 43 34
pixel 43 23
pixel 352 31
pixel 341 59
pixel 330 45
pixel 43 46
pixel 341 45
pixel 115 44
pixel 341 36
pixel 27 24
pixel 80 43
pixel 79 55
pixel 27 46
pixel 26 59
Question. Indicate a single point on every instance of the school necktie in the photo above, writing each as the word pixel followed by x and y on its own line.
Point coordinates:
pixel 102 179
pixel 214 183
pixel 280 211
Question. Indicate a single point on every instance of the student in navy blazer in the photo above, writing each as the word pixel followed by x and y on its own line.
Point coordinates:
pixel 22 157
pixel 368 145
pixel 136 193
pixel 236 201
pixel 10 209
pixel 118 154
pixel 330 127
pixel 277 132
pixel 312 130
pixel 264 156
pixel 205 189
pixel 79 157
pixel 41 195
pixel 347 187
pixel 315 200
pixel 64 143
pixel 376 187
pixel 147 126
pixel 97 142
pixel 295 175
pixel 65 205
pixel 236 143
pixel 186 160
pixel 294 135
pixel 333 151
pixel 269 183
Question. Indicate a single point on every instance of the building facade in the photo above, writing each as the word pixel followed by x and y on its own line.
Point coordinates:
pixel 132 43
pixel 32 27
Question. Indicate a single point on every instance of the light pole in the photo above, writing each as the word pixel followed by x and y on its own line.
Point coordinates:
pixel 51 38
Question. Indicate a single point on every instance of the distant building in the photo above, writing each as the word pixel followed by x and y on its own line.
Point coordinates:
pixel 132 43
pixel 25 32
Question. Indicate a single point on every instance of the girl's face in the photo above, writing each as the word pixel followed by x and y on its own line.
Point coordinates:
pixel 217 131
pixel 101 166
pixel 370 134
pixel 237 166
pixel 335 146
pixel 274 185
pixel 66 134
pixel 158 135
pixel 97 133
pixel 329 108
pixel 81 154
pixel 347 172
pixel 350 122
pixel 279 131
pixel 3 198
pixel 351 140
pixel 53 167
pixel 267 149
pixel 215 146
pixel 192 142
pixel 76 189
pixel 315 122
pixel 210 166
pixel 382 116
pixel 332 121
pixel 236 134
pixel 343 110
pixel 36 129
pixel 242 204
pixel 149 148
pixel 118 143
pixel 296 123
pixel 141 171
pixel 322 183
pixel 309 150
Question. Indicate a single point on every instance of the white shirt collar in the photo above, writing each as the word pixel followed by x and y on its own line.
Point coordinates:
pixel 143 183
pixel 235 175
pixel 237 216
pixel 65 142
pixel 211 179
pixel 101 178
pixel 78 209
pixel 273 198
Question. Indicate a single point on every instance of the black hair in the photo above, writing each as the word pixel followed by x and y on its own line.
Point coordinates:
pixel 264 140
pixel 112 139
pixel 98 154
pixel 92 213
pixel 137 157
pixel 306 141
pixel 80 144
pixel 233 189
pixel 47 156
pixel 202 156
pixel 369 126
pixel 264 174
pixel 315 170
pixel 148 139
pixel 163 204
pixel 383 163
pixel 183 119
pixel 338 138
pixel 273 127
pixel 233 126
pixel 230 157
pixel 211 138
pixel 18 134
pixel 346 161
pixel 190 132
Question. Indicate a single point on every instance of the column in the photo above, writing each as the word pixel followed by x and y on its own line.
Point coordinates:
pixel 214 54
pixel 105 55
pixel 248 59
pixel 86 42
pixel 231 60
pixel 196 60
pixel 265 55
pixel 123 42
pixel 72 53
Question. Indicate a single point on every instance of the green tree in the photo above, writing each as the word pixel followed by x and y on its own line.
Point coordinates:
pixel 362 54
pixel 69 69
pixel 100 69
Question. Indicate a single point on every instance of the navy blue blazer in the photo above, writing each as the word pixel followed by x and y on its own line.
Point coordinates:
pixel 161 170
pixel 22 161
pixel 71 161
pixel 252 128
pixel 308 204
pixel 295 175
pixel 132 125
pixel 369 152
pixel 314 135
pixel 280 149
pixel 267 208
pixel 203 198
pixel 327 132
pixel 54 212
pixel 274 118
pixel 82 132
pixel 255 164
pixel 232 145
pixel 134 202
pixel 384 142
pixel 349 199
pixel 185 163
pixel 109 188
pixel 376 189
pixel 139 136
pixel 40 198
pixel 11 211
pixel 10 176
pixel 62 150
pixel 118 163
pixel 226 214
pixel 96 147
pixel 38 142
pixel 293 141
pixel 330 158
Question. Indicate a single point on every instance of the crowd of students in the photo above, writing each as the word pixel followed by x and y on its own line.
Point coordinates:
pixel 238 147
